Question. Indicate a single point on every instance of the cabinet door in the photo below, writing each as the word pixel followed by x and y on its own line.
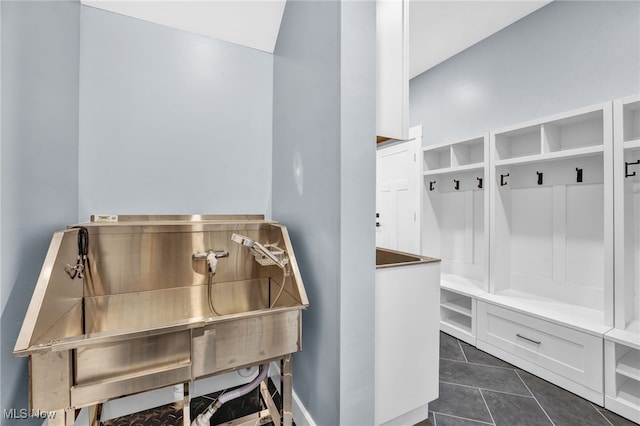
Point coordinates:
pixel 392 63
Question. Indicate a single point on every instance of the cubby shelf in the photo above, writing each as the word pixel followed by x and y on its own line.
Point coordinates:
pixel 629 365
pixel 461 305
pixel 553 156
pixel 458 321
pixel 457 313
pixel 452 170
pixel 634 144
pixel 622 378
pixel 454 222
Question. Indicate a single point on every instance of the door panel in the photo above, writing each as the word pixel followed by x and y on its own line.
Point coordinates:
pixel 398 196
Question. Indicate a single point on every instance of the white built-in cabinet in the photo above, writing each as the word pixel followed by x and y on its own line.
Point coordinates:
pixel 392 69
pixel 528 258
pixel 455 213
pixel 622 344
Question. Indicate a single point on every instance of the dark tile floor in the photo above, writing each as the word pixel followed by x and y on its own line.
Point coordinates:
pixel 478 389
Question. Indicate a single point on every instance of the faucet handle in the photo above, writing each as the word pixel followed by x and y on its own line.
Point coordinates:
pixel 220 253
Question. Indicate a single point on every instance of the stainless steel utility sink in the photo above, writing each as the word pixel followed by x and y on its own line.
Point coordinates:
pixel 145 311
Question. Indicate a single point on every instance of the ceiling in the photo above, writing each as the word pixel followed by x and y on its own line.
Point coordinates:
pixel 438 30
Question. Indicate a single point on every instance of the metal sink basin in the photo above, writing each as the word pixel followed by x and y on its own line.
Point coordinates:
pixel 386 258
pixel 146 311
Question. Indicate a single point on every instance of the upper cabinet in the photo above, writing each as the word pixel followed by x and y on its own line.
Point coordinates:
pixel 392 61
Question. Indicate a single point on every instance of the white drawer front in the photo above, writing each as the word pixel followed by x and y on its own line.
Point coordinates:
pixel 575 355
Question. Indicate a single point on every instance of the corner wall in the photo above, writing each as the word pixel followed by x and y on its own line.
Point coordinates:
pixel 324 191
pixel 39 161
pixel 566 55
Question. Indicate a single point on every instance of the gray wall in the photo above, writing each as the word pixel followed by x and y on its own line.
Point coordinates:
pixel 171 122
pixel 39 160
pixel 566 55
pixel 357 208
pixel 306 188
pixel 323 190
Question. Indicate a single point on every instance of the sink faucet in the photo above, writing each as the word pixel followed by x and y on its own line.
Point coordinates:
pixel 211 256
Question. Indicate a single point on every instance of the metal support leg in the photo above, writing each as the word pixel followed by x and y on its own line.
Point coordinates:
pixel 186 405
pixel 58 419
pixel 70 416
pixel 95 412
pixel 268 400
pixel 286 386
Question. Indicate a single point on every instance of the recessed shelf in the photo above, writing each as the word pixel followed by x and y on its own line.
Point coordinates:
pixel 517 143
pixel 467 152
pixel 459 321
pixel 629 391
pixel 632 145
pixel 437 158
pixel 552 156
pixel 461 305
pixel 629 365
pixel 564 135
pixel 456 169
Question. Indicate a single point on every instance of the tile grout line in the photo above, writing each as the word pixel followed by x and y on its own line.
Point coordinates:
pixel 535 399
pixel 487 405
pixel 477 363
pixel 461 418
pixel 489 390
pixel 462 350
pixel 600 412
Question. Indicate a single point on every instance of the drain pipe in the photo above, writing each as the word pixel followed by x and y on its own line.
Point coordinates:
pixel 204 418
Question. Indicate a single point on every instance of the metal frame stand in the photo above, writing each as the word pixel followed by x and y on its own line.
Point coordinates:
pixel 270 414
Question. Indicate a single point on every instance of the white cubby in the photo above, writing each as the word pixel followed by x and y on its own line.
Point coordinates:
pixel 622 379
pixel 551 239
pixel 631 119
pixel 455 209
pixel 627 215
pixel 517 143
pixel 436 159
pixel 570 135
pixel 622 343
pixel 454 220
pixel 457 313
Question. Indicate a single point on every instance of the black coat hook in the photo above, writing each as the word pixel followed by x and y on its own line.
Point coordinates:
pixel 457 186
pixel 578 175
pixel 479 183
pixel 431 188
pixel 502 181
pixel 539 177
pixel 626 168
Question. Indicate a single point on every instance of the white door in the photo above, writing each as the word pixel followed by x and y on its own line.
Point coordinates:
pixel 398 194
